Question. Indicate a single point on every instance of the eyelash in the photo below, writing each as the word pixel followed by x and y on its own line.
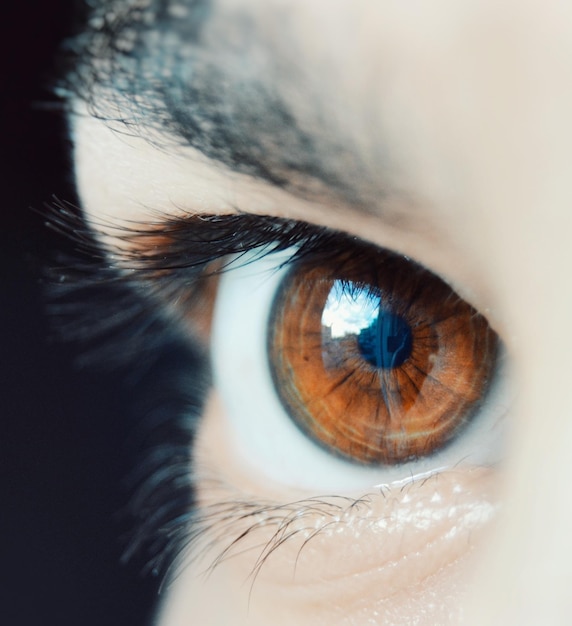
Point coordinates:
pixel 139 328
pixel 221 527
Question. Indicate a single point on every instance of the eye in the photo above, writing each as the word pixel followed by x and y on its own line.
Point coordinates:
pixel 353 368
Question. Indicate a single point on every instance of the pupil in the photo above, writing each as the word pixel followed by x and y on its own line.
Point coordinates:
pixel 386 343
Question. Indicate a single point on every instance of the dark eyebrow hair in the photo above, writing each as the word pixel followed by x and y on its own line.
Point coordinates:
pixel 212 83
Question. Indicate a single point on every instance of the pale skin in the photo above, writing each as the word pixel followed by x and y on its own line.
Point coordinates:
pixel 471 101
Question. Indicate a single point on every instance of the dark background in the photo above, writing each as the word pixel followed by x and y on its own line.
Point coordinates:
pixel 63 429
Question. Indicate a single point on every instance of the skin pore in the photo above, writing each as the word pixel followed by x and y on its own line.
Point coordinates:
pixel 439 130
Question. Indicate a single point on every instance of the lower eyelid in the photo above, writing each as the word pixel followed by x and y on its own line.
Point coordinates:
pixel 287 538
pixel 376 533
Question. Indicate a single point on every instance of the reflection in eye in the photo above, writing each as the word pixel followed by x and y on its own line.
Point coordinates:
pixel 377 360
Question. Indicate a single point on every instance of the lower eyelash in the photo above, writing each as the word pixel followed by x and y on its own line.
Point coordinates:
pixel 227 528
pixel 231 527
pixel 222 528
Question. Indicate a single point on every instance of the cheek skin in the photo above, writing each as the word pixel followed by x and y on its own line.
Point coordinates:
pixel 401 556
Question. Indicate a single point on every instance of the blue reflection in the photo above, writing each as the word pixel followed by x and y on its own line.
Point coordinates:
pixel 384 339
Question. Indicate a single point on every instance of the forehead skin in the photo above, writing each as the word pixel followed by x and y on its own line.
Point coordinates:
pixel 451 122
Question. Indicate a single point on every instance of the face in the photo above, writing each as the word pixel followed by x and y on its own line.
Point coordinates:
pixel 311 175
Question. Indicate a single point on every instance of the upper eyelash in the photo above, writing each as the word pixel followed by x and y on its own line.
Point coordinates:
pixel 157 263
pixel 188 243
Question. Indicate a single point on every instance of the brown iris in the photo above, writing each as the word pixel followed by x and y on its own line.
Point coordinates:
pixel 375 358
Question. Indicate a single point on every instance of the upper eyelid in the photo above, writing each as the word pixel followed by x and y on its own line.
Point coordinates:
pixel 183 246
pixel 190 243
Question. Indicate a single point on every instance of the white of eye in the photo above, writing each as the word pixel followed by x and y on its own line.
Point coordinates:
pixel 264 436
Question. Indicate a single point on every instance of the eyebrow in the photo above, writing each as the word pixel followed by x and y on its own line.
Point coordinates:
pixel 179 75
